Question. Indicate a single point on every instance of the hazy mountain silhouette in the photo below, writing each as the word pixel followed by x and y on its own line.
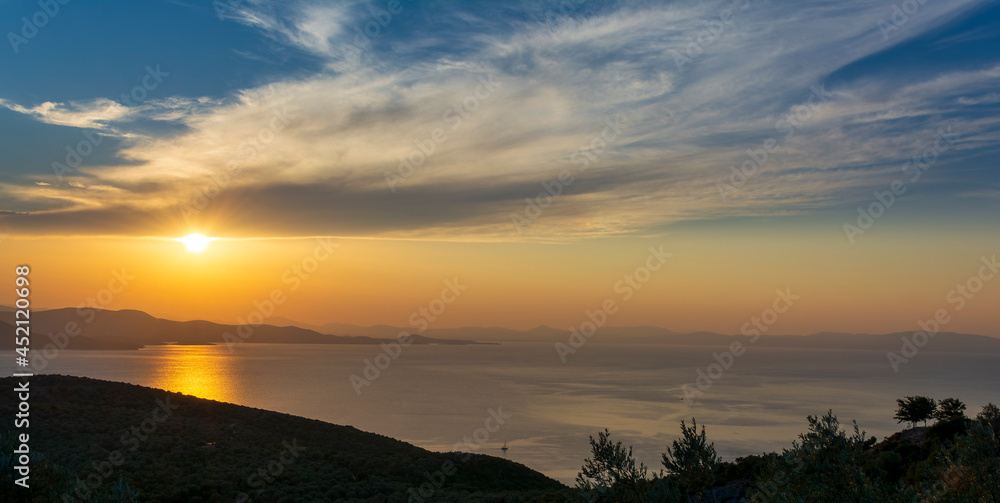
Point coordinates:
pixel 131 329
pixel 943 341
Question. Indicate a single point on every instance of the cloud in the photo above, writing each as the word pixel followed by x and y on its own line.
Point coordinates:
pixel 694 85
pixel 312 27
pixel 987 99
pixel 95 114
pixel 109 116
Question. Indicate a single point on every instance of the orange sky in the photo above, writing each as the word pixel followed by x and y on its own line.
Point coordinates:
pixel 715 279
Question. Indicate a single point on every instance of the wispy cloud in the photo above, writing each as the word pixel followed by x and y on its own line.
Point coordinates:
pixel 557 81
pixel 95 114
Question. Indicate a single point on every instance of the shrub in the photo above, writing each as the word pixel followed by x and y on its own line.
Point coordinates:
pixel 969 471
pixel 826 466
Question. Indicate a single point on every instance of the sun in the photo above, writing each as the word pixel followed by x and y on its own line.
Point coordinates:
pixel 195 242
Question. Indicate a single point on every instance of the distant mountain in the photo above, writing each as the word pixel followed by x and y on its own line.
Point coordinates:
pixel 496 334
pixel 12 308
pixel 131 329
pixel 942 342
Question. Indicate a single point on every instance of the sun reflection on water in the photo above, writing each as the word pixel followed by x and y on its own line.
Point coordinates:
pixel 193 370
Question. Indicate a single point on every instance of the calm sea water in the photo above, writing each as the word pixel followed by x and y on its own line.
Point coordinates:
pixel 434 396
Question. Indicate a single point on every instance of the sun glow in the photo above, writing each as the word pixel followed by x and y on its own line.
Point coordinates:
pixel 195 242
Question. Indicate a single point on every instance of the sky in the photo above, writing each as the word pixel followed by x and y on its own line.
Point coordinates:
pixel 355 157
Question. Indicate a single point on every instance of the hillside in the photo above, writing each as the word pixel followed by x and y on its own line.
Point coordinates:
pixel 172 447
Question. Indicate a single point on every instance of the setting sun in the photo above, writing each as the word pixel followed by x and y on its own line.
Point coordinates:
pixel 195 242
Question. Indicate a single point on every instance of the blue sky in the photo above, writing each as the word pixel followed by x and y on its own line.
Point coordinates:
pixel 692 86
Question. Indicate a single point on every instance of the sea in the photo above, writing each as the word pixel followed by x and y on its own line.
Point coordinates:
pixel 480 398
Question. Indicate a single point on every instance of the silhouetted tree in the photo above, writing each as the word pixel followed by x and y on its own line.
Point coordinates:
pixel 950 409
pixel 990 416
pixel 611 474
pixel 692 460
pixel 913 409
pixel 825 465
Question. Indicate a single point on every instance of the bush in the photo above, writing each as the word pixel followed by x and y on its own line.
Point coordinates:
pixel 969 471
pixel 944 432
pixel 826 466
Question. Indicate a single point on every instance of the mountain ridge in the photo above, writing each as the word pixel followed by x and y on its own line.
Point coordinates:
pixel 657 335
pixel 89 328
pixel 134 329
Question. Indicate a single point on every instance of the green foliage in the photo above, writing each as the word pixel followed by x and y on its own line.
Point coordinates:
pixel 914 409
pixel 826 466
pixel 888 463
pixel 611 474
pixel 970 470
pixel 692 460
pixel 954 461
pixel 944 432
pixel 665 490
pixel 746 467
pixel 950 409
pixel 120 492
pixel 47 480
pixel 990 416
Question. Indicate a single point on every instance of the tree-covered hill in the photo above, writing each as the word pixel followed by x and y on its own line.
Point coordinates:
pixel 95 440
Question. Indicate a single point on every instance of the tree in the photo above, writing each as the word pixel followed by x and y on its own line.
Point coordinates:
pixel 990 416
pixel 611 474
pixel 692 460
pixel 826 464
pixel 915 408
pixel 949 409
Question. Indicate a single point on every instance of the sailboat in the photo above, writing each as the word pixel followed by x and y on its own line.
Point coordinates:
pixel 504 448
